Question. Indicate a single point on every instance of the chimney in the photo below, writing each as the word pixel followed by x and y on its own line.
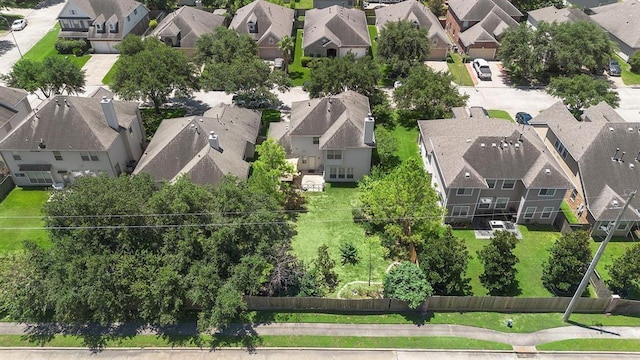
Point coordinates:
pixel 369 124
pixel 213 140
pixel 110 113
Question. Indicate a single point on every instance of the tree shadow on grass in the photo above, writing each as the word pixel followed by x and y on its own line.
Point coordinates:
pixel 418 318
pixel 296 75
pixel 182 334
pixel 237 334
pixel 94 336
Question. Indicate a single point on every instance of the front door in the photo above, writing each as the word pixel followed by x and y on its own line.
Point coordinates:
pixel 312 163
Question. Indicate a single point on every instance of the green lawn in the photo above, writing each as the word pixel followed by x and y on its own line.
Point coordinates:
pixel 304 4
pixel 329 221
pixel 373 34
pixel 500 114
pixel 615 248
pixel 628 77
pixel 522 323
pixel 21 209
pixel 407 142
pixel 108 77
pixel 45 48
pixel 299 74
pixel 532 251
pixel 568 213
pixel 632 345
pixel 459 71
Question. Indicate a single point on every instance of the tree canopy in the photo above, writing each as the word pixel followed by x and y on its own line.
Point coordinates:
pixel 154 73
pixel 408 283
pixel 224 46
pixel 402 45
pixel 403 205
pixel 634 62
pixel 568 261
pixel 499 261
pixel 528 5
pixel 582 91
pixel 444 260
pixel 625 272
pixel 55 75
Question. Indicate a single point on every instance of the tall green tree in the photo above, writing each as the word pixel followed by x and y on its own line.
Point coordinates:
pixel 571 52
pixel 402 45
pixel 634 62
pixel 624 272
pixel 242 76
pixel 427 94
pixel 499 262
pixel 403 204
pixel 568 261
pixel 55 75
pixel 269 168
pixel 437 8
pixel 224 46
pixel 528 5
pixel 518 55
pixel 154 74
pixel 408 283
pixel 287 45
pixel 444 260
pixel 582 91
pixel 325 266
pixel 5 4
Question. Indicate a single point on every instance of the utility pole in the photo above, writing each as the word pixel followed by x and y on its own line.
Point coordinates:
pixel 594 262
pixel 12 34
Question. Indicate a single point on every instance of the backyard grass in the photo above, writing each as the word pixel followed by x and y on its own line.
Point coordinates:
pixel 373 34
pixel 631 345
pixel 298 74
pixel 304 4
pixel 45 48
pixel 532 251
pixel 628 77
pixel 407 142
pixel 329 221
pixel 19 215
pixel 500 114
pixel 459 71
pixel 568 213
pixel 615 249
pixel 522 323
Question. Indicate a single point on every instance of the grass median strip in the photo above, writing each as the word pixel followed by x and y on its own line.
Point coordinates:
pixel 632 345
pixel 206 341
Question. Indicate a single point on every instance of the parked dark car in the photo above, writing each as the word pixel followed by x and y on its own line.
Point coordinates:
pixel 613 68
pixel 523 118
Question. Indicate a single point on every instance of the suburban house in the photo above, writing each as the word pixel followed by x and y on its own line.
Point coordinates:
pixel 332 136
pixel 477 25
pixel 621 20
pixel 205 148
pixel 601 156
pixel 588 4
pixel 14 107
pixel 321 4
pixel 420 15
pixel 551 14
pixel 70 136
pixel 266 23
pixel 103 23
pixel 335 31
pixel 485 168
pixel 183 27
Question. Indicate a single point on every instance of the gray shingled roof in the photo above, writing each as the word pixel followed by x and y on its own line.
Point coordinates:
pixel 11 96
pixel 476 10
pixel 621 19
pixel 412 10
pixel 344 27
pixel 80 125
pixel 489 29
pixel 272 19
pixel 190 22
pixel 338 120
pixel 181 146
pixel 102 10
pixel 458 147
pixel 551 14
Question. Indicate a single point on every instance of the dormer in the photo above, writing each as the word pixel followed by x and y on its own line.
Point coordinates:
pixel 112 24
pixel 414 20
pixel 99 23
pixel 252 25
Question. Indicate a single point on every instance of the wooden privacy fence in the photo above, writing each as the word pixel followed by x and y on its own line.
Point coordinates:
pixel 6 185
pixel 444 304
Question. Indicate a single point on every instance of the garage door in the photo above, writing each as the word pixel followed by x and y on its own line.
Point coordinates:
pixel 482 53
pixel 269 53
pixel 438 54
pixel 104 47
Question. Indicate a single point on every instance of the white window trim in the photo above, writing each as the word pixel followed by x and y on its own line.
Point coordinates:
pixel 506 204
pixel 546 210
pixel 460 207
pixel 508 188
pixel 526 211
pixel 546 194
pixel 488 206
pixel 464 192
pixel 495 182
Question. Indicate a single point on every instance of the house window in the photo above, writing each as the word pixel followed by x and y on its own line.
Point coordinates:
pixel 529 212
pixel 349 173
pixel 491 184
pixel 304 159
pixel 253 27
pixel 87 156
pixel 334 154
pixel 560 148
pixel 271 41
pixel 73 12
pixel 57 155
pixel 546 213
pixel 333 172
pixel 464 192
pixel 135 11
pixel 573 195
pixel 39 177
pixel 485 203
pixel 508 184
pixel 547 192
pixel 316 140
pixel 435 42
pixel 19 175
pixel 622 225
pixel 130 130
pixel 501 203
pixel 128 18
pixel 460 211
pixel 16 157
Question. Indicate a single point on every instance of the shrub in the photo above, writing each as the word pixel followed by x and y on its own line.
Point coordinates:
pixel 449 58
pixel 466 58
pixel 305 61
pixel 77 52
pixel 349 253
pixel 91 50
pixel 634 61
pixel 64 46
pixel 153 23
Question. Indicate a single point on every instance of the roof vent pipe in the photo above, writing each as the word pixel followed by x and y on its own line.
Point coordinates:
pixel 621 156
pixel 613 158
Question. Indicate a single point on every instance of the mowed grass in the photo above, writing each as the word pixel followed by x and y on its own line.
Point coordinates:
pixel 110 75
pixel 627 345
pixel 532 251
pixel 304 4
pixel 500 114
pixel 459 71
pixel 615 249
pixel 407 142
pixel 45 48
pixel 373 35
pixel 20 219
pixel 329 221
pixel 628 77
pixel 299 74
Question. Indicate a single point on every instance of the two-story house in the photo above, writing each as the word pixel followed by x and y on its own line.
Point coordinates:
pixel 601 156
pixel 335 31
pixel 205 148
pixel 421 17
pixel 485 168
pixel 477 25
pixel 266 23
pixel 70 136
pixel 14 107
pixel 102 23
pixel 332 136
pixel 620 19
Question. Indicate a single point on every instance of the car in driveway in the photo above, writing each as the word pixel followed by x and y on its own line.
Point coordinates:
pixel 613 68
pixel 482 69
pixel 523 118
pixel 19 24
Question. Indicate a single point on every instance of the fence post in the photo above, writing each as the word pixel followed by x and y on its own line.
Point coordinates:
pixel 613 303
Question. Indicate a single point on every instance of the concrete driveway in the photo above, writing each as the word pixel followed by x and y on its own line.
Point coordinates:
pixel 498 76
pixel 97 67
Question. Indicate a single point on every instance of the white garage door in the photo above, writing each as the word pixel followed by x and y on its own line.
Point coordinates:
pixel 482 53
pixel 104 47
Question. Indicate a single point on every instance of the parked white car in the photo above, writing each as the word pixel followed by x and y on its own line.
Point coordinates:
pixel 19 24
pixel 481 67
